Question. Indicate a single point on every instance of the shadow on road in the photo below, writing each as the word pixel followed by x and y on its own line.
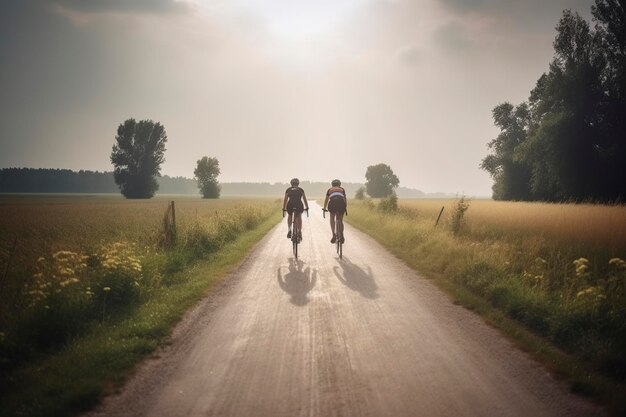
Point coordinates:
pixel 297 282
pixel 356 278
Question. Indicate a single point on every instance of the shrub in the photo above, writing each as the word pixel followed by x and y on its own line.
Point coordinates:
pixel 456 221
pixel 389 204
pixel 360 193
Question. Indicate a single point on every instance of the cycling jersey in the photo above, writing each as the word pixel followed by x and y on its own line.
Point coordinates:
pixel 337 200
pixel 294 199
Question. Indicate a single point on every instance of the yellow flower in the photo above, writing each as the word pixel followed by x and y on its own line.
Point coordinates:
pixel 106 289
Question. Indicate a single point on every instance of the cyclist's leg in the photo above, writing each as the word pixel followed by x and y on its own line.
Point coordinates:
pixel 340 225
pixel 289 226
pixel 299 221
pixel 332 226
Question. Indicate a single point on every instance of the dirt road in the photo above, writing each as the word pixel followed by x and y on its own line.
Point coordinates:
pixel 362 336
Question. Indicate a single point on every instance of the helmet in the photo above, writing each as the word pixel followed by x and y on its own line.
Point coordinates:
pixel 295 182
pixel 336 183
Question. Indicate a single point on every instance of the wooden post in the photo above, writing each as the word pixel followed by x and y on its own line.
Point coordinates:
pixel 439 217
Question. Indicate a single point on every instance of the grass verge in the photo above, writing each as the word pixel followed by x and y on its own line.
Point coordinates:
pixel 524 285
pixel 74 378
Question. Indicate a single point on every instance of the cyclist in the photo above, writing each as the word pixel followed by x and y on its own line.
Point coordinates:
pixel 294 196
pixel 336 204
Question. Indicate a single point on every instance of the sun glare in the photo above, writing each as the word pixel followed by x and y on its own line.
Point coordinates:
pixel 300 19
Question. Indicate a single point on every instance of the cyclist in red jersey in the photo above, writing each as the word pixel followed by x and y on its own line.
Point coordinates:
pixel 294 196
pixel 336 203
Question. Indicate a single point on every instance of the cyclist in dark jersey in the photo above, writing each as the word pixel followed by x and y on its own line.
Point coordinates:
pixel 294 196
pixel 336 204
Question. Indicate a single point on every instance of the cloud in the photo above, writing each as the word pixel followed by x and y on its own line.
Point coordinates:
pixel 518 15
pixel 453 36
pixel 122 6
pixel 411 55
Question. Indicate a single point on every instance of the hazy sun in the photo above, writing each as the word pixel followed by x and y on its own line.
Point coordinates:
pixel 297 19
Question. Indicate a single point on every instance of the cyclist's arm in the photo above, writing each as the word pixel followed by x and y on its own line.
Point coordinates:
pixel 285 201
pixel 306 203
pixel 326 202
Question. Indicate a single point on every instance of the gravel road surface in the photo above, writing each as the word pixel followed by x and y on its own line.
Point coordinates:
pixel 320 336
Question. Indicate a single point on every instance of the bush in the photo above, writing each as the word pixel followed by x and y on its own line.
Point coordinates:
pixel 389 204
pixel 360 193
pixel 456 221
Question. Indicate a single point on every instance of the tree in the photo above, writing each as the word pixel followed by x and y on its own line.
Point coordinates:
pixel 206 173
pixel 137 157
pixel 568 142
pixel 511 177
pixel 381 180
pixel 360 193
pixel 567 106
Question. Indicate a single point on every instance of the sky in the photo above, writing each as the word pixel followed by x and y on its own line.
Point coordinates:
pixel 275 89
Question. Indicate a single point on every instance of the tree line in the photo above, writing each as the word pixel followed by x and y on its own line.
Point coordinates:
pixel 567 142
pixel 45 180
pixel 49 180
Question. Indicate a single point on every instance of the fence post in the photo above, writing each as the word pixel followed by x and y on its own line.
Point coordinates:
pixel 439 217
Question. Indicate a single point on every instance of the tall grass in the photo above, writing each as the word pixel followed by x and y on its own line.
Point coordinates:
pixel 557 269
pixel 81 263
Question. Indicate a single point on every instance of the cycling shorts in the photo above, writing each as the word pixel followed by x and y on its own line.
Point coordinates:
pixel 295 205
pixel 337 205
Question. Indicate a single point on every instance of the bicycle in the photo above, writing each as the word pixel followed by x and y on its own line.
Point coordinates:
pixel 338 236
pixel 296 235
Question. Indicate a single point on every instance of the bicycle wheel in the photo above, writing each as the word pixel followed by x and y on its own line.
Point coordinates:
pixel 294 240
pixel 338 244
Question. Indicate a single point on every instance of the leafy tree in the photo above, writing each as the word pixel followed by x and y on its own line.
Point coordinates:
pixel 569 141
pixel 567 106
pixel 511 177
pixel 206 173
pixel 610 17
pixel 360 193
pixel 137 157
pixel 381 181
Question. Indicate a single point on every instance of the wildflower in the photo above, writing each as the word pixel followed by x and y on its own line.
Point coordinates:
pixel 582 267
pixel 106 289
pixel 617 262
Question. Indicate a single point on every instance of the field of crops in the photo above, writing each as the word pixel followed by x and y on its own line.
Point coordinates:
pixel 589 225
pixel 67 262
pixel 558 269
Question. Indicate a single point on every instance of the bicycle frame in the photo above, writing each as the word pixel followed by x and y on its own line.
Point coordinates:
pixel 338 243
pixel 295 231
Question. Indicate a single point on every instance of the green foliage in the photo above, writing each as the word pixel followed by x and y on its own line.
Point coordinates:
pixel 567 142
pixel 137 157
pixel 511 177
pixel 381 181
pixel 206 173
pixel 456 220
pixel 389 204
pixel 360 193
